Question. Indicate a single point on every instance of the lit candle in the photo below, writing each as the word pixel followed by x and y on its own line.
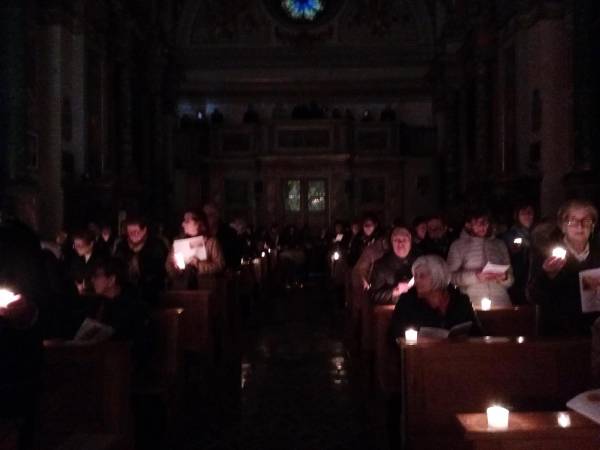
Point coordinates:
pixel 497 417
pixel 336 256
pixel 518 241
pixel 269 250
pixel 410 336
pixel 486 304
pixel 564 420
pixel 263 254
pixel 559 252
pixel 179 261
pixel 7 297
pixel 520 339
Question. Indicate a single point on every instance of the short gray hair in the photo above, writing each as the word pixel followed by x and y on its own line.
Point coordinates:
pixel 437 268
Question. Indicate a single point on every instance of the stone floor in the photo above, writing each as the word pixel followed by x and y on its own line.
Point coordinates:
pixel 298 388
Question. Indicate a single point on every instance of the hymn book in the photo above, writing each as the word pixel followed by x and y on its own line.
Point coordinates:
pixel 496 269
pixel 92 331
pixel 459 330
pixel 191 248
pixel 587 404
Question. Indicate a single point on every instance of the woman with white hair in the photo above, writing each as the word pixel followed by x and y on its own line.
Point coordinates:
pixel 432 301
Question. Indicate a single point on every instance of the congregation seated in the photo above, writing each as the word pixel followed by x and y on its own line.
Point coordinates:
pixel 145 256
pixel 554 283
pixel 432 301
pixel 207 259
pixel 392 272
pixel 468 256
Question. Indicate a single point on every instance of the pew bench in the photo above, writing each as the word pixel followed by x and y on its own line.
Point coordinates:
pixel 443 378
pixel 515 321
pixel 531 430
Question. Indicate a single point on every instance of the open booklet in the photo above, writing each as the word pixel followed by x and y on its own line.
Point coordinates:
pixel 190 248
pixel 589 289
pixel 92 331
pixel 587 404
pixel 499 269
pixel 459 330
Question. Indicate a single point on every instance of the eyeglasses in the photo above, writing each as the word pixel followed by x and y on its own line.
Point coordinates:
pixel 585 223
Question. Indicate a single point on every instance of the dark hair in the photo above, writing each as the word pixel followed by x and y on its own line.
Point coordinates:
pixel 113 267
pixel 477 211
pixel 137 220
pixel 419 220
pixel 85 235
pixel 370 216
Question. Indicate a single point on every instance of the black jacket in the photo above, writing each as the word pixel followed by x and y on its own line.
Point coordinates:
pixel 414 312
pixel 388 271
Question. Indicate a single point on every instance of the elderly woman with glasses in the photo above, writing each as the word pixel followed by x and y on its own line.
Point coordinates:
pixel 560 277
pixel 432 301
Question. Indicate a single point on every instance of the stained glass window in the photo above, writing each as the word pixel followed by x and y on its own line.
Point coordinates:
pixel 302 9
pixel 292 195
pixel 316 195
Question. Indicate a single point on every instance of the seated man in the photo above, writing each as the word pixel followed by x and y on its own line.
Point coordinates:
pixel 392 272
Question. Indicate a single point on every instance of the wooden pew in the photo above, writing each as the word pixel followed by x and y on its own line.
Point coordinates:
pixel 200 310
pixel 442 379
pixel 387 357
pixel 531 430
pixel 515 321
pixel 86 396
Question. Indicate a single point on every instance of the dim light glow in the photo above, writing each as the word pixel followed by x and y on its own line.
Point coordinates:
pixel 486 304
pixel 518 241
pixel 336 256
pixel 411 336
pixel 563 420
pixel 7 297
pixel 263 254
pixel 559 252
pixel 497 417
pixel 520 339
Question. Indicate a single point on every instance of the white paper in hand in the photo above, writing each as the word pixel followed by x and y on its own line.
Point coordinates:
pixel 497 269
pixel 339 237
pixel 191 248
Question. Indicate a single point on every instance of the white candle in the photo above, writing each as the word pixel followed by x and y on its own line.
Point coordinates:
pixel 518 241
pixel 179 261
pixel 336 256
pixel 559 252
pixel 497 417
pixel 410 336
pixel 564 420
pixel 486 304
pixel 520 339
pixel 7 297
pixel 263 254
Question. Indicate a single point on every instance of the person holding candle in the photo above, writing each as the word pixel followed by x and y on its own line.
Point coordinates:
pixel 469 255
pixel 392 272
pixel 432 301
pixel 185 276
pixel 518 241
pixel 554 280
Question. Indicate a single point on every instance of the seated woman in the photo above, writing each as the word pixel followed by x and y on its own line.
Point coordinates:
pixel 392 272
pixel 554 282
pixel 184 274
pixel 432 301
pixel 469 255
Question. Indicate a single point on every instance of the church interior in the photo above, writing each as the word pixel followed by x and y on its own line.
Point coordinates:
pixel 224 223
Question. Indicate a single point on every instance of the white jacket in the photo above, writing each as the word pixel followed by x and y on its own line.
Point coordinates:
pixel 467 257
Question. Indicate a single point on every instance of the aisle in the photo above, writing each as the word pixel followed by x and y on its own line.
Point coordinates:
pixel 298 388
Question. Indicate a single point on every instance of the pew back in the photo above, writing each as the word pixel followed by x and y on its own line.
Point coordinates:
pixel 515 321
pixel 444 378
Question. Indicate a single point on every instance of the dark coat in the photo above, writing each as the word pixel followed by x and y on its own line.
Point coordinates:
pixel 519 261
pixel 388 271
pixel 559 298
pixel 414 312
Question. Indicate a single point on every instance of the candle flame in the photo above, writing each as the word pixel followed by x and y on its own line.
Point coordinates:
pixel 559 252
pixel 7 297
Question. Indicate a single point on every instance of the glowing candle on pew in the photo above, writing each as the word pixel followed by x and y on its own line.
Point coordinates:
pixel 336 256
pixel 520 339
pixel 497 417
pixel 410 335
pixel 263 254
pixel 563 420
pixel 559 252
pixel 486 304
pixel 7 297
pixel 179 261
pixel 518 241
